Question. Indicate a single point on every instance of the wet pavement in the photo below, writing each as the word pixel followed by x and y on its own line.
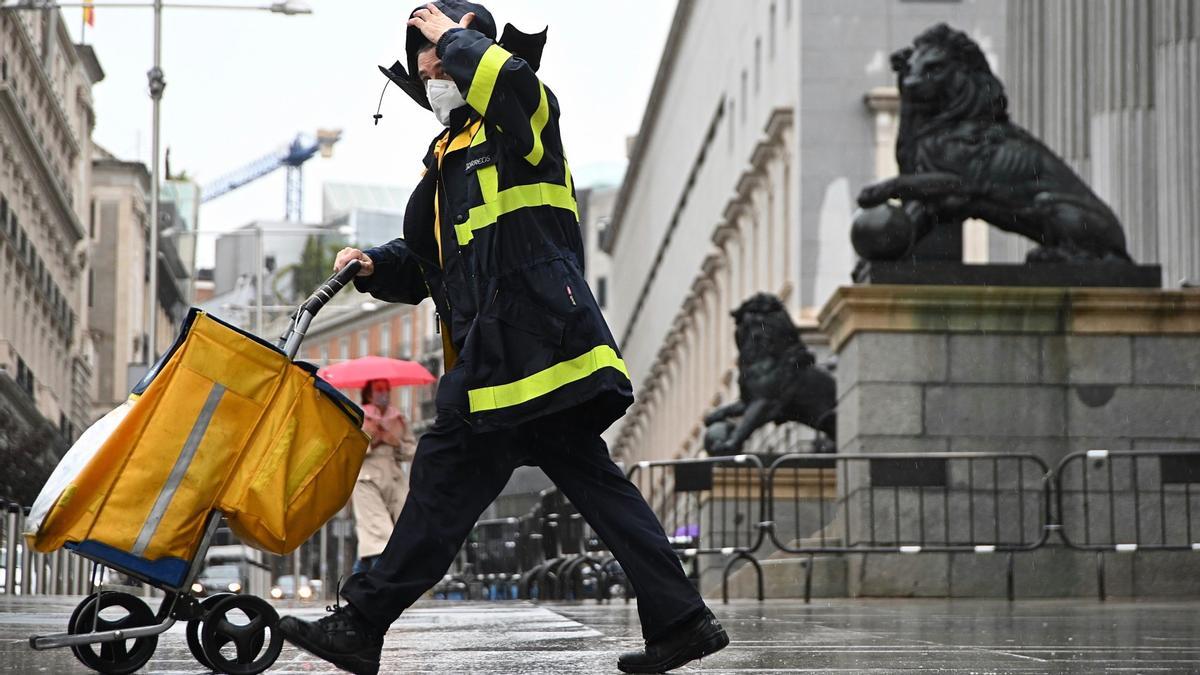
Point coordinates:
pixel 842 636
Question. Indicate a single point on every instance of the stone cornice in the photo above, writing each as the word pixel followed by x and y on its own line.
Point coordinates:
pixel 882 99
pixel 724 232
pixel 712 264
pixel 781 119
pixel 974 309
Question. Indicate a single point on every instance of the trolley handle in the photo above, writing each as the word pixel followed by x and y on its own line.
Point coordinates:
pixel 332 285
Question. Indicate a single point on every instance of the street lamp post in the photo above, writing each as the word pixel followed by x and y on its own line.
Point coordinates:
pixel 157 83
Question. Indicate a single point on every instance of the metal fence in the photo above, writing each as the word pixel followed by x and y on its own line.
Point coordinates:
pixel 1128 501
pixel 801 504
pixel 708 506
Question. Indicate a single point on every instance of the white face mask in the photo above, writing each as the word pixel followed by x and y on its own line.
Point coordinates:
pixel 443 97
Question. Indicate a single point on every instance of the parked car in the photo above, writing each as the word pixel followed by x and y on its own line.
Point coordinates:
pixel 224 578
pixel 285 587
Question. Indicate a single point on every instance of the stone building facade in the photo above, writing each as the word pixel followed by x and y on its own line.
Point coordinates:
pixel 742 177
pixel 46 121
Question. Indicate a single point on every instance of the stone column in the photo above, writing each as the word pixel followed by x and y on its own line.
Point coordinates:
pixel 1177 129
pixel 1122 138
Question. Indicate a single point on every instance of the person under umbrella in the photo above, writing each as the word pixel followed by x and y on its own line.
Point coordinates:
pixel 382 482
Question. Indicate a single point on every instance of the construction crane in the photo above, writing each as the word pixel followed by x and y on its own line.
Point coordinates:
pixel 293 156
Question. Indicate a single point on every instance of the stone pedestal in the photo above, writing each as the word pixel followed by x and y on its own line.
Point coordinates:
pixel 1046 371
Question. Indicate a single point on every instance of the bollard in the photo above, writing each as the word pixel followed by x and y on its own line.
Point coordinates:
pixel 296 572
pixel 26 554
pixel 323 568
pixel 52 583
pixel 10 553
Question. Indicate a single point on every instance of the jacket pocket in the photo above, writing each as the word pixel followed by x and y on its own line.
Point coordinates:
pixel 516 312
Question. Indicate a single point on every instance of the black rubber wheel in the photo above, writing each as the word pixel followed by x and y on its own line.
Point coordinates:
pixel 234 635
pixel 79 608
pixel 121 656
pixel 193 629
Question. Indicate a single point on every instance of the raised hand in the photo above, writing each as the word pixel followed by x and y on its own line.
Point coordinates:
pixel 433 24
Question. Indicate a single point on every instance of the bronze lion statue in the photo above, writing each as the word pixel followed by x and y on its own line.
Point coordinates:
pixel 961 157
pixel 778 380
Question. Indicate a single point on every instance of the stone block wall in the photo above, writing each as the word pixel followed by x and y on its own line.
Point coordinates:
pixel 1046 372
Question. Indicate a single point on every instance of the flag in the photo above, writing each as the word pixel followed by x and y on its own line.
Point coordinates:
pixel 89 13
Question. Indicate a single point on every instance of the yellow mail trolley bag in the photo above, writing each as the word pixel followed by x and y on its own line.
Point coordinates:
pixel 224 424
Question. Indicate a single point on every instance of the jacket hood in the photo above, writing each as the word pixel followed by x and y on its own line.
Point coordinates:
pixel 525 45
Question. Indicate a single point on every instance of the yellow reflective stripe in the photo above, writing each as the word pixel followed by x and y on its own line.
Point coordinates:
pixel 480 136
pixel 545 381
pixel 484 81
pixel 513 199
pixel 536 124
pixel 489 183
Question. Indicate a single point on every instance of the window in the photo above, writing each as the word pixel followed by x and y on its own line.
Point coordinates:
pixel 602 292
pixel 363 343
pixel 344 348
pixel 772 18
pixel 757 64
pixel 385 339
pixel 406 402
pixel 406 350
pixel 324 355
pixel 745 94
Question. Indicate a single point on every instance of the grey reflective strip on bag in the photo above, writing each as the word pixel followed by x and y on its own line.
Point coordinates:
pixel 179 470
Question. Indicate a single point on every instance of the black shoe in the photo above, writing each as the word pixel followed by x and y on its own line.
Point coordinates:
pixel 693 640
pixel 344 638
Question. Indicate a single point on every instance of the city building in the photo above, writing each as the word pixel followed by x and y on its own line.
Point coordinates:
pixel 119 245
pixel 368 214
pixel 290 257
pixel 46 122
pixel 741 179
pixel 595 210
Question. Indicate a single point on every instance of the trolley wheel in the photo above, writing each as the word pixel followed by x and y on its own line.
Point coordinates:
pixel 193 628
pixel 120 656
pixel 234 635
pixel 79 608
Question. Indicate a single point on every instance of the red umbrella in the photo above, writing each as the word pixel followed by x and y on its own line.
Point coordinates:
pixel 356 373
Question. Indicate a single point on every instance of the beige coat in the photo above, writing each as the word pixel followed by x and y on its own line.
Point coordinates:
pixel 382 484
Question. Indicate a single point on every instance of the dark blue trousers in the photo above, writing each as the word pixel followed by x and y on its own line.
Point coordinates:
pixel 456 474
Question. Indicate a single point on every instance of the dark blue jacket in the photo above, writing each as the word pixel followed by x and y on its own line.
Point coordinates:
pixel 529 335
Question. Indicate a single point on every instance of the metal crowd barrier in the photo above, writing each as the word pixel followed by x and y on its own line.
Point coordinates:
pixel 1128 501
pixel 954 502
pixel 801 504
pixel 708 506
pixel 25 572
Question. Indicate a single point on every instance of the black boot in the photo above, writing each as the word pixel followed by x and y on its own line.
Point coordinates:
pixel 695 639
pixel 344 638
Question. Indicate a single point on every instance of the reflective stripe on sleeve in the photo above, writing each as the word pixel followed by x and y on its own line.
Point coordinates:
pixel 545 381
pixel 536 124
pixel 484 81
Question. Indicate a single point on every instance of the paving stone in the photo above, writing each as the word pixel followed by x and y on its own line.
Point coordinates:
pixel 837 635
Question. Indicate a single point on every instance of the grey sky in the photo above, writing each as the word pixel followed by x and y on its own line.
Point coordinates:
pixel 239 84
